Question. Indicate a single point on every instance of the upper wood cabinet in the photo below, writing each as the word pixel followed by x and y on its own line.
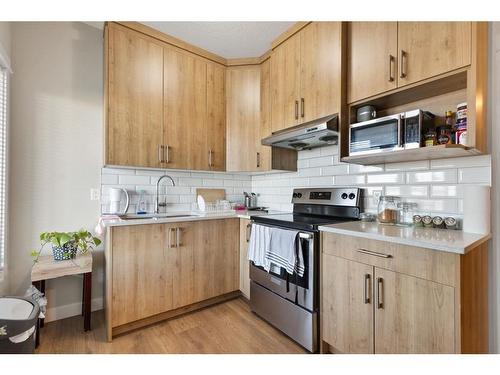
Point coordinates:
pixel 185 100
pixel 306 75
pixel 134 87
pixel 386 55
pixel 372 58
pixel 165 105
pixel 427 49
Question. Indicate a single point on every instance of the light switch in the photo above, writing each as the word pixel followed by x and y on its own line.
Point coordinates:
pixel 95 194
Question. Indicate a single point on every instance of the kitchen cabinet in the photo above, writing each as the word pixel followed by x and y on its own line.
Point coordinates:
pixel 155 271
pixel 383 56
pixel 372 58
pixel 165 105
pixel 185 103
pixel 306 75
pixel 248 121
pixel 134 87
pixel 349 301
pixel 245 228
pixel 382 297
pixel 216 116
pixel 427 49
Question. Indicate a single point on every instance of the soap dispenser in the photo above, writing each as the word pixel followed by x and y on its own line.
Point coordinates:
pixel 141 204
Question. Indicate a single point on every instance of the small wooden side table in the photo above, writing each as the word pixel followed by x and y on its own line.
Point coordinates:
pixel 47 268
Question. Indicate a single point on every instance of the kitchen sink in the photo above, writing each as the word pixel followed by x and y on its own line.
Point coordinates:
pixel 155 216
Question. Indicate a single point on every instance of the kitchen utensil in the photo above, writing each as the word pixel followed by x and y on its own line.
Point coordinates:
pixel 365 113
pixel 211 195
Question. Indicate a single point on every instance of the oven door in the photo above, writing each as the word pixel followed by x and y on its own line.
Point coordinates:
pixel 374 136
pixel 296 289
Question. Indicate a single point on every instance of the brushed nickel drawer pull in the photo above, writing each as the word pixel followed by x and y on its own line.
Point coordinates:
pixel 302 107
pixel 374 253
pixel 210 158
pixel 258 159
pixel 296 110
pixel 380 293
pixel 366 288
pixel 170 237
pixel 178 237
pixel 402 65
pixel 167 149
pixel 391 75
pixel 160 153
pixel 249 231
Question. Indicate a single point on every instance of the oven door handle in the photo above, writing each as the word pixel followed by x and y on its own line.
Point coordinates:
pixel 307 236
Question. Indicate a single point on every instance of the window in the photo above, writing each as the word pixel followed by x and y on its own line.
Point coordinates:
pixel 3 160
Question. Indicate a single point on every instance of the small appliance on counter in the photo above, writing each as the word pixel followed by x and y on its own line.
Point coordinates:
pixel 115 195
pixel 250 200
pixel 389 133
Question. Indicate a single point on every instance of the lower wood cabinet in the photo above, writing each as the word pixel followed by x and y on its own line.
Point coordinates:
pixel 152 269
pixel 390 298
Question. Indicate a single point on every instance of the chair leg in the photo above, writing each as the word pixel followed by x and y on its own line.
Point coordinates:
pixel 87 286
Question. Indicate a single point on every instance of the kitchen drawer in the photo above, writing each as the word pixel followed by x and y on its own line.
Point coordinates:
pixel 438 266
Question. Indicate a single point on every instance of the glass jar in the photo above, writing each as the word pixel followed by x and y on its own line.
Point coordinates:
pixel 405 213
pixel 387 212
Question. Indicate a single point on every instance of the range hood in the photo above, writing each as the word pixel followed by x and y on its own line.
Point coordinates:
pixel 317 133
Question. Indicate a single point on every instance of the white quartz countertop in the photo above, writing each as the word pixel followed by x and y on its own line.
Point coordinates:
pixel 177 217
pixel 454 241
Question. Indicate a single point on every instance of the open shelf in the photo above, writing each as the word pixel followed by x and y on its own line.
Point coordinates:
pixel 423 153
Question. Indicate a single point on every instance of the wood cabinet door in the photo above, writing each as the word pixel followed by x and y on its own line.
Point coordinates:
pixel 413 315
pixel 285 82
pixel 243 117
pixel 372 58
pixel 182 239
pixel 134 129
pixel 320 70
pixel 245 226
pixel 185 106
pixel 427 49
pixel 347 305
pixel 265 129
pixel 216 260
pixel 142 272
pixel 216 117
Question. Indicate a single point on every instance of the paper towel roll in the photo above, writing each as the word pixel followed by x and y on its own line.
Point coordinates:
pixel 477 206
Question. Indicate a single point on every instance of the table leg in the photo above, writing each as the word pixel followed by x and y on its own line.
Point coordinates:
pixel 87 293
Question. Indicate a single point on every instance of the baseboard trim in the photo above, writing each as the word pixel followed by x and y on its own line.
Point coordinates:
pixel 72 309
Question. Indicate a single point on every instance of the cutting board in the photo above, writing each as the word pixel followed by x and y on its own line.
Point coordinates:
pixel 211 195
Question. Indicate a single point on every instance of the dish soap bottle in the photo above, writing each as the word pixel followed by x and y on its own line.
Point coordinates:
pixel 141 204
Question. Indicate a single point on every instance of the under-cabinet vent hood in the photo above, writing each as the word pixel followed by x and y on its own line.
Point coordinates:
pixel 317 133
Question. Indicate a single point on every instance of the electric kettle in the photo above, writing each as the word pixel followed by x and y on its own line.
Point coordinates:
pixel 115 195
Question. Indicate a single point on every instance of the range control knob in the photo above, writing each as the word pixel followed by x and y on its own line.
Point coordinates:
pixel 344 195
pixel 352 196
pixel 294 195
pixel 299 195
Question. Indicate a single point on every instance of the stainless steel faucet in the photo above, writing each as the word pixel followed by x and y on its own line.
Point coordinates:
pixel 157 204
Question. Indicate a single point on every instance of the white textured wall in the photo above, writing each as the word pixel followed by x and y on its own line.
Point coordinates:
pixel 56 153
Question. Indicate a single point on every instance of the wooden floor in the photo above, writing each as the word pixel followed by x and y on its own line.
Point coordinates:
pixel 229 327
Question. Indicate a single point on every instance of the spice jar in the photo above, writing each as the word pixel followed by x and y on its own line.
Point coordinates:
pixel 430 138
pixel 417 221
pixel 388 209
pixel 427 221
pixel 405 213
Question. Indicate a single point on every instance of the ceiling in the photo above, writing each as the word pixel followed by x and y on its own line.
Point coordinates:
pixel 230 40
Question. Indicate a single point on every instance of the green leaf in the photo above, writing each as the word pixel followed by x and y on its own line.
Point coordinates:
pixel 97 241
pixel 64 238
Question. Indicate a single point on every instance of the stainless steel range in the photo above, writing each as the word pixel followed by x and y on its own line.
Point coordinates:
pixel 290 302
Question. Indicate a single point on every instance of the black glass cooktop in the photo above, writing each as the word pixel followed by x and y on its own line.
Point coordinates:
pixel 297 221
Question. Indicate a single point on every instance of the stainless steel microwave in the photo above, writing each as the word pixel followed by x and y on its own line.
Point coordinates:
pixel 390 133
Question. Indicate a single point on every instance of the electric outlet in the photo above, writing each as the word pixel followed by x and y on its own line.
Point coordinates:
pixel 376 196
pixel 95 194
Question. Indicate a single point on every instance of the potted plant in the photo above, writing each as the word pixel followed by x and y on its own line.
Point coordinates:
pixel 65 245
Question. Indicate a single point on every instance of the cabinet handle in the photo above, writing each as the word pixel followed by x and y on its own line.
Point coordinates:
pixel 402 65
pixel 380 293
pixel 296 110
pixel 374 253
pixel 366 289
pixel 391 71
pixel 302 107
pixel 160 153
pixel 178 237
pixel 170 237
pixel 249 231
pixel 167 151
pixel 210 152
pixel 258 159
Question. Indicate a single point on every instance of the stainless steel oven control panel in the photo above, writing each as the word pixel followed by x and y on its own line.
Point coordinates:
pixel 349 197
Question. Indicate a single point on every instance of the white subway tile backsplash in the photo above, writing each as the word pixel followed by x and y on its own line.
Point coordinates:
pixel 117 171
pixel 329 150
pixel 321 181
pixel 447 176
pixel 321 162
pixel 436 205
pixel 308 154
pixel 407 190
pixel 213 183
pixel 343 180
pixel 133 180
pixel 464 162
pixel 407 166
pixel 446 191
pixel 308 172
pixel 385 178
pixel 357 168
pixel 479 175
pixel 109 179
pixel 335 170
pixel 190 181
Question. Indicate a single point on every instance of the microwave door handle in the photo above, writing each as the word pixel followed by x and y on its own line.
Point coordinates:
pixel 401 131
